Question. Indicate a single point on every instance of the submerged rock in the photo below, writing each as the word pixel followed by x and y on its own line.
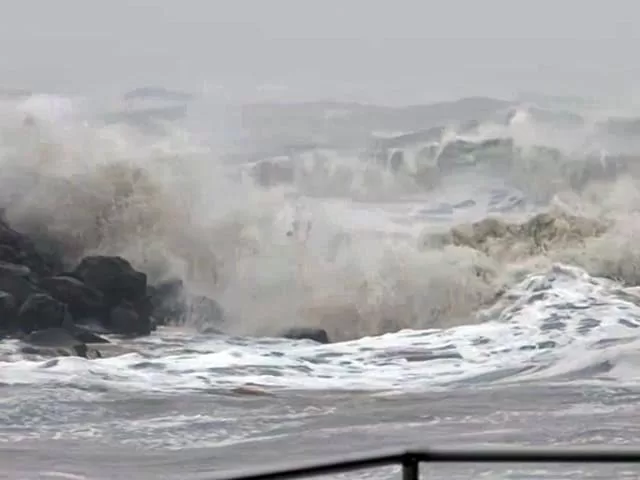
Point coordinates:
pixel 85 335
pixel 56 342
pixel 307 333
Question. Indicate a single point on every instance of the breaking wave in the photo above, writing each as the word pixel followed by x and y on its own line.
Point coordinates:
pixel 312 215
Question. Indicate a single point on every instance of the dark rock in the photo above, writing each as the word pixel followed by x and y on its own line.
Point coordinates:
pixel 22 249
pixel 77 351
pixel 124 320
pixel 153 324
pixel 168 301
pixel 8 311
pixel 54 341
pixel 41 311
pixel 51 337
pixel 70 274
pixel 272 172
pixel 13 269
pixel 8 236
pixel 144 306
pixel 85 335
pixel 103 294
pixel 209 330
pixel 93 324
pixel 9 254
pixel 15 279
pixel 45 254
pixel 203 310
pixel 306 333
pixel 171 304
pixel 82 300
pixel 114 277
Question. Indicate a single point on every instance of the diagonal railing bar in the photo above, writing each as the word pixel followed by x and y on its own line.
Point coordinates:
pixel 410 461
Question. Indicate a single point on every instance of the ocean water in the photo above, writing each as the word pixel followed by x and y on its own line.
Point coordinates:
pixel 521 330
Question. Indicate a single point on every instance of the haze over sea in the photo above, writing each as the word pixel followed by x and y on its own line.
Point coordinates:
pixel 450 191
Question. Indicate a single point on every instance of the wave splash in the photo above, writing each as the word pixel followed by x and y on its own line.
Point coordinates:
pixel 360 235
pixel 558 325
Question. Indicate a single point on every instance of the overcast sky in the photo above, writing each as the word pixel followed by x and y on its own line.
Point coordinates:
pixel 390 51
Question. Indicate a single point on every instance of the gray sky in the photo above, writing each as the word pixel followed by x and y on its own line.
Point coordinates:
pixel 389 51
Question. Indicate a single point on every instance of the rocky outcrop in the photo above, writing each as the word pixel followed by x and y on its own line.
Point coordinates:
pixel 54 310
pixel 60 311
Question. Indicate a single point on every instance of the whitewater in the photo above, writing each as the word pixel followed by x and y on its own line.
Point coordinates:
pixel 475 264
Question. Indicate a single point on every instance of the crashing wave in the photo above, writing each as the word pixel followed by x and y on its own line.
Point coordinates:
pixel 511 241
pixel 176 210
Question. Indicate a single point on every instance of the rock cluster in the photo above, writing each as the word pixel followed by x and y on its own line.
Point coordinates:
pixel 49 307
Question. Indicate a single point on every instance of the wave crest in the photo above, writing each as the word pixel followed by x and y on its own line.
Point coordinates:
pixel 291 250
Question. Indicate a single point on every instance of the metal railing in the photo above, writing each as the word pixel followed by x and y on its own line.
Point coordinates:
pixel 410 461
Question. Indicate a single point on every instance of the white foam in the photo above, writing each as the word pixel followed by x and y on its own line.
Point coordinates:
pixel 516 336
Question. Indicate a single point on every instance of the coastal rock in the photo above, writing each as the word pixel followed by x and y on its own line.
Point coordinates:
pixel 307 333
pixel 55 342
pixel 172 304
pixel 8 311
pixel 19 248
pixel 13 269
pixel 84 335
pixel 114 277
pixel 41 311
pixel 125 320
pixel 83 301
pixel 9 254
pixel 101 295
pixel 16 280
pixel 203 311
pixel 51 337
pixel 167 300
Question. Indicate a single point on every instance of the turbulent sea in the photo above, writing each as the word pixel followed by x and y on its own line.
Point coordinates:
pixel 475 263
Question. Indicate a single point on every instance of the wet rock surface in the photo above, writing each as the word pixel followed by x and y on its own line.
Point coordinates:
pixel 307 333
pixel 58 311
pixel 55 310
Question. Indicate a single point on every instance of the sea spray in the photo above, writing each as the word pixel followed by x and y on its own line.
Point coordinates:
pixel 283 255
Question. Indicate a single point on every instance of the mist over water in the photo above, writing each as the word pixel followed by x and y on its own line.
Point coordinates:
pixel 452 195
pixel 343 229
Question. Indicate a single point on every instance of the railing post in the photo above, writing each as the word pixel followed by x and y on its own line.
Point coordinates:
pixel 410 468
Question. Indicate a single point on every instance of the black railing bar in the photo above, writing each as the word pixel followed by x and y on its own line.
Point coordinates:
pixel 410 458
pixel 324 468
pixel 526 455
